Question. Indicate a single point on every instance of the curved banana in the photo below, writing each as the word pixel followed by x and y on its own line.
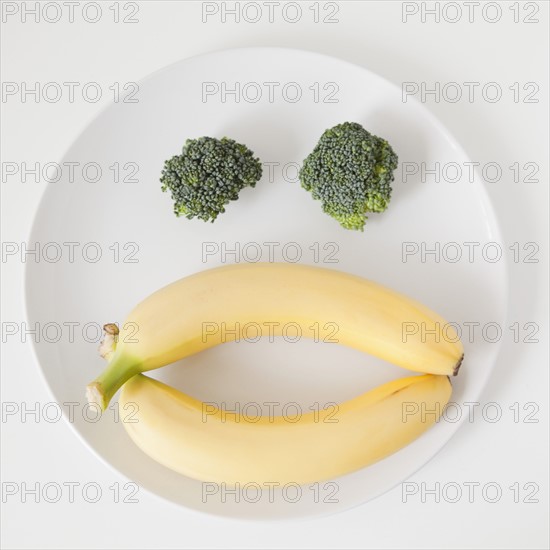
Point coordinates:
pixel 242 301
pixel 210 444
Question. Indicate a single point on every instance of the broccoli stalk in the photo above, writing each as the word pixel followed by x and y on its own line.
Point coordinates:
pixel 350 171
pixel 209 174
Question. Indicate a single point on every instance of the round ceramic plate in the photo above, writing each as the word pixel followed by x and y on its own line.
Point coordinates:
pixel 129 244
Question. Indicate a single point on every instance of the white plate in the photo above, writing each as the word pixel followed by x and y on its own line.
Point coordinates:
pixel 171 109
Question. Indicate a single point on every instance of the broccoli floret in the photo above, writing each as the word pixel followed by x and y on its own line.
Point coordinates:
pixel 350 171
pixel 207 175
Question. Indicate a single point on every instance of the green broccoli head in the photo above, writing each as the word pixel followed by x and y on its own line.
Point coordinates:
pixel 207 175
pixel 350 171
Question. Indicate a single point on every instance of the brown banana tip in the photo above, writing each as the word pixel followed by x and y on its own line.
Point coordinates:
pixel 111 328
pixel 458 365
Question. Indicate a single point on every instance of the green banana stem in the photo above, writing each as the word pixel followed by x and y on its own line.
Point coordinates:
pixel 104 387
pixel 120 368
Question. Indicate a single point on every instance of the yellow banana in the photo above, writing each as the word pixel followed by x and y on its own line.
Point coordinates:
pixel 191 438
pixel 265 299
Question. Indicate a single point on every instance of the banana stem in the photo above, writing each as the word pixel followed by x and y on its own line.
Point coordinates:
pixel 107 346
pixel 119 369
pixel 103 388
pixel 458 365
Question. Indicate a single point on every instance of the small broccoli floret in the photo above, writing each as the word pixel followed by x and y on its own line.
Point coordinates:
pixel 350 171
pixel 207 175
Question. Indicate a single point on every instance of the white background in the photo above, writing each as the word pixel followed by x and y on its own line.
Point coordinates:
pixel 371 34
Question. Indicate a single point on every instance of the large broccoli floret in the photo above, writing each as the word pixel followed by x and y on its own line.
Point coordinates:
pixel 350 171
pixel 207 175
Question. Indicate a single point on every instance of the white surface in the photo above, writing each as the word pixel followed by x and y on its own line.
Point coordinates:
pixel 170 109
pixel 369 34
